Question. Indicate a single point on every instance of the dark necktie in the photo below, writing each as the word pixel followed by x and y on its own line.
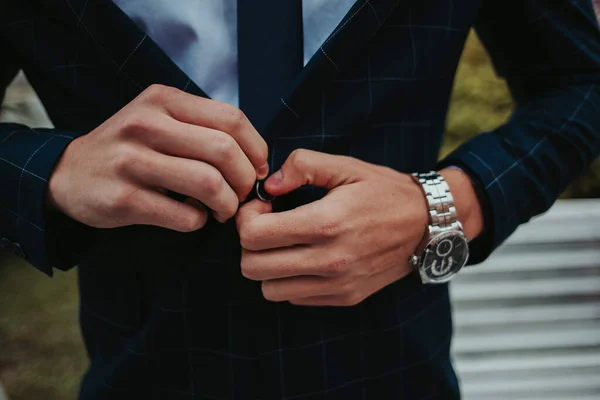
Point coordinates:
pixel 270 54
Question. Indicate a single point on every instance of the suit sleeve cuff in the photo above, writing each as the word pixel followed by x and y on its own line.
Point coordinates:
pixel 43 239
pixel 489 195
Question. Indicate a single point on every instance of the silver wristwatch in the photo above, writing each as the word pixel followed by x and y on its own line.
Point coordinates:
pixel 445 249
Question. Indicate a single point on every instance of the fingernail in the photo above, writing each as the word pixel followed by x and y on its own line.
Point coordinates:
pixel 276 177
pixel 263 171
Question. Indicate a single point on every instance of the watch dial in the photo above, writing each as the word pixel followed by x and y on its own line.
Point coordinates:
pixel 445 255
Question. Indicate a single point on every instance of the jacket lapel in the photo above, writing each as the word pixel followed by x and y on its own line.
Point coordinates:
pixel 351 36
pixel 140 62
pixel 135 57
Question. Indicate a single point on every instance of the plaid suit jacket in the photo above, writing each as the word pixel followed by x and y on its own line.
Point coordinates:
pixel 168 315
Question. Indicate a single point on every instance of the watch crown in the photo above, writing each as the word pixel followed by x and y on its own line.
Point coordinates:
pixel 414 260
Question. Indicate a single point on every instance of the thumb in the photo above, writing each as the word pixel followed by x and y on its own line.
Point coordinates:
pixel 251 210
pixel 307 167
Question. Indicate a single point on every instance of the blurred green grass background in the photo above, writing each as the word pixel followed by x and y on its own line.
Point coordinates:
pixel 41 352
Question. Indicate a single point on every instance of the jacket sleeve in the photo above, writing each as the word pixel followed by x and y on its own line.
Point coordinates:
pixel 27 159
pixel 549 53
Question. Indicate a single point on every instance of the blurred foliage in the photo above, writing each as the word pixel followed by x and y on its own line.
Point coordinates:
pixel 41 351
pixel 481 101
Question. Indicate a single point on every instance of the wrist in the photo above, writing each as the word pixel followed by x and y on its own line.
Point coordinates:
pixel 51 203
pixel 466 202
pixel 57 181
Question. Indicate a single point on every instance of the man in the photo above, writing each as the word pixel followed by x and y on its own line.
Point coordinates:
pixel 191 287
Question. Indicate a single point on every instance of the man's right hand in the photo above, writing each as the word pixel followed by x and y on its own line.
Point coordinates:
pixel 164 140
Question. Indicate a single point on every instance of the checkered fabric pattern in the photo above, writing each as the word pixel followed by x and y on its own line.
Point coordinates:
pixel 167 315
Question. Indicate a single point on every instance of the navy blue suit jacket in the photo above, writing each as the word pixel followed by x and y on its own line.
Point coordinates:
pixel 168 315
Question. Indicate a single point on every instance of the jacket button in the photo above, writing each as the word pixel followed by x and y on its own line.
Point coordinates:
pixel 18 250
pixel 12 246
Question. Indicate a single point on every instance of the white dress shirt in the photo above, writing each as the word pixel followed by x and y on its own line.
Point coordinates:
pixel 200 36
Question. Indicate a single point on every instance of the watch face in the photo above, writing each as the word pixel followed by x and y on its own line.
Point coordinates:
pixel 444 256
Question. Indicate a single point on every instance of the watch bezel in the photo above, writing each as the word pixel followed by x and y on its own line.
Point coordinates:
pixel 431 243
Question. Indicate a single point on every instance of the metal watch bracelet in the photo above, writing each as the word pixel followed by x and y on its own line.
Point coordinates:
pixel 442 213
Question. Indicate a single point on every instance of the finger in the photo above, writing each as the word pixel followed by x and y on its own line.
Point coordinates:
pixel 287 263
pixel 152 208
pixel 307 224
pixel 216 115
pixel 354 297
pixel 307 167
pixel 211 146
pixel 249 211
pixel 298 287
pixel 189 177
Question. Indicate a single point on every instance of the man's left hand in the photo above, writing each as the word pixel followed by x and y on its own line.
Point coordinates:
pixel 340 249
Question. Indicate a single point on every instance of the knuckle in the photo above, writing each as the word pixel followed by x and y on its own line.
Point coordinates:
pixel 247 239
pixel 348 288
pixel 235 118
pixel 134 124
pixel 299 159
pixel 211 183
pixel 155 93
pixel 231 209
pixel 247 273
pixel 225 146
pixel 121 201
pixel 193 222
pixel 248 270
pixel 125 158
pixel 350 300
pixel 268 292
pixel 331 226
pixel 337 266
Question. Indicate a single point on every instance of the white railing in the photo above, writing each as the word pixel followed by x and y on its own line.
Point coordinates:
pixel 527 321
pixel 2 394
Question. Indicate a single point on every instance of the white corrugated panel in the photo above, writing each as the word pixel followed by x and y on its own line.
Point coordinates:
pixel 527 321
